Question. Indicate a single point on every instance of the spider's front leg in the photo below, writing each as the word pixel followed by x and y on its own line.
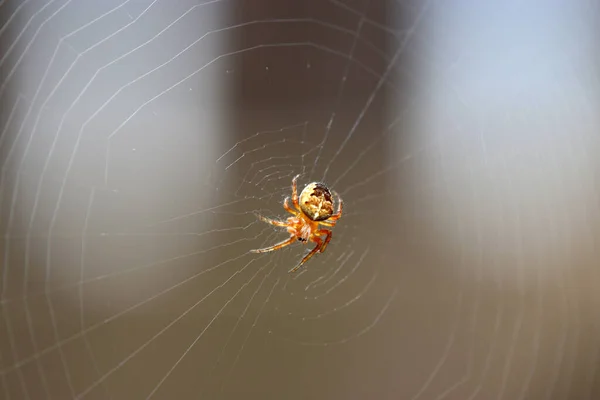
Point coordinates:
pixel 309 255
pixel 327 239
pixel 277 246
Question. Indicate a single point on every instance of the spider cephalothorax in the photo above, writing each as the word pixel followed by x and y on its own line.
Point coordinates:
pixel 314 207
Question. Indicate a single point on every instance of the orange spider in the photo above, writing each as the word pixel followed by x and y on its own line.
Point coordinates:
pixel 314 207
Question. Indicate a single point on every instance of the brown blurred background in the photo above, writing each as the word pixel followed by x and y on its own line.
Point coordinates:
pixel 140 138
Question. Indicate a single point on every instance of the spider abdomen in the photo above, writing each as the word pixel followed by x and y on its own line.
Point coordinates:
pixel 316 201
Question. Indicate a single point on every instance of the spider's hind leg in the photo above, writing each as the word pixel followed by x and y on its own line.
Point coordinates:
pixel 288 208
pixel 338 214
pixel 295 192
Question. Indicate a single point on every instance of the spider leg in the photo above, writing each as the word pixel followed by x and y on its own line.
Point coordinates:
pixel 277 246
pixel 327 239
pixel 295 192
pixel 327 223
pixel 288 208
pixel 271 221
pixel 338 214
pixel 309 255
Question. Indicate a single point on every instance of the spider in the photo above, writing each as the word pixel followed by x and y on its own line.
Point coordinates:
pixel 314 207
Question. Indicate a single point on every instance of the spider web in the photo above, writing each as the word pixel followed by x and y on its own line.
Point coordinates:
pixel 139 140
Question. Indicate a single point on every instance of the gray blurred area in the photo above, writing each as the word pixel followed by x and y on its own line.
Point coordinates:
pixel 140 138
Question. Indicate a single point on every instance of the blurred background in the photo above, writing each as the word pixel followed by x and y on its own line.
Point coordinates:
pixel 140 138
